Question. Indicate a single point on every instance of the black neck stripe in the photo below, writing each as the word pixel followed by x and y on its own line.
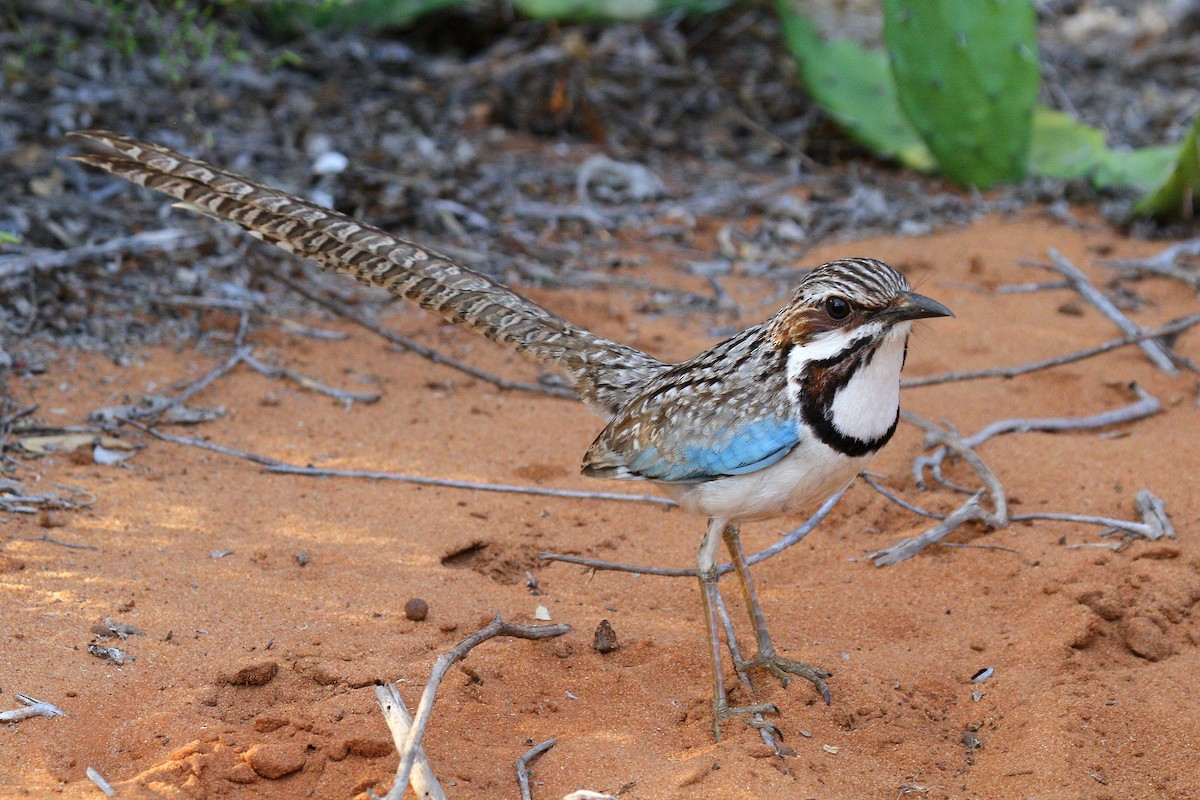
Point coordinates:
pixel 819 386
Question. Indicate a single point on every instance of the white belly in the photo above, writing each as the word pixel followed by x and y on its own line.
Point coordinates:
pixel 798 482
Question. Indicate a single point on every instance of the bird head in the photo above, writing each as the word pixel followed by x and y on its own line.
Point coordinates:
pixel 846 301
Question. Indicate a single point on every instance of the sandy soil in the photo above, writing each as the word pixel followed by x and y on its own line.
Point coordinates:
pixel 1072 711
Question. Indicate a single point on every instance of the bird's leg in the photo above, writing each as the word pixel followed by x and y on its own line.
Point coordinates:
pixel 767 658
pixel 706 568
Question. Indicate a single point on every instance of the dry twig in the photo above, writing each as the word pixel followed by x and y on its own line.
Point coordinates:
pixel 675 572
pixel 289 469
pixel 1178 326
pixel 1154 350
pixel 1154 524
pixel 1168 263
pixel 45 260
pixel 312 384
pixel 497 627
pixel 32 708
pixel 399 722
pixel 523 765
pixel 415 346
pixel 1145 406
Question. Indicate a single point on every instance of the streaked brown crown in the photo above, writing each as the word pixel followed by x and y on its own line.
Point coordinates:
pixel 866 285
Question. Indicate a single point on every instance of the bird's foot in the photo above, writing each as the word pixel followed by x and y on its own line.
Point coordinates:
pixel 784 668
pixel 722 711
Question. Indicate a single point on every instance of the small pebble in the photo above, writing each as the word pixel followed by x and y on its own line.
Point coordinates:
pixel 542 613
pixel 416 609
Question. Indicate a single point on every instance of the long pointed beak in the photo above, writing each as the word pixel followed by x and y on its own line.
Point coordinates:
pixel 917 306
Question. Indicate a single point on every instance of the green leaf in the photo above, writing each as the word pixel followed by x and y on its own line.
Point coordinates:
pixel 1176 196
pixel 855 87
pixel 1064 147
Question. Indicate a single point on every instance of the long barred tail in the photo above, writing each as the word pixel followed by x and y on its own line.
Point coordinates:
pixel 602 371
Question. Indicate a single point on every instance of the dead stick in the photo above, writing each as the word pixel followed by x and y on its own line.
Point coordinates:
pixel 907 548
pixel 497 627
pixel 399 722
pixel 156 409
pixel 288 469
pixel 32 708
pixel 674 572
pixel 46 260
pixel 1177 326
pixel 1154 350
pixel 417 347
pixel 523 765
pixel 951 441
pixel 900 501
pixel 283 468
pixel 205 445
pixel 312 384
pixel 1146 405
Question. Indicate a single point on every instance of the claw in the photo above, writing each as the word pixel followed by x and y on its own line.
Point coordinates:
pixel 721 711
pixel 784 668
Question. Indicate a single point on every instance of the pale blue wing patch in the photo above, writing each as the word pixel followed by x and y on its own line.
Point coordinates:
pixel 740 450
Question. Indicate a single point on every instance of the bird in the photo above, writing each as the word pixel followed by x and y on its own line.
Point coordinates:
pixel 772 420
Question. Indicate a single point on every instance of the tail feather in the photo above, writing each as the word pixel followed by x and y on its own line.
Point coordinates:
pixel 601 370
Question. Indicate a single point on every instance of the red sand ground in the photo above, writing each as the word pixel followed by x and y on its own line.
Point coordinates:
pixel 1072 711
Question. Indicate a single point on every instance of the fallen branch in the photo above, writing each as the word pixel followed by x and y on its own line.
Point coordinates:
pixel 283 468
pixel 897 499
pixel 1154 350
pixel 399 722
pixel 1155 523
pixel 46 260
pixel 1146 405
pixel 1178 326
pixel 907 548
pixel 948 441
pixel 155 410
pixel 312 384
pixel 675 572
pixel 289 469
pixel 1167 263
pixel 416 347
pixel 32 708
pixel 205 445
pixel 497 627
pixel 523 765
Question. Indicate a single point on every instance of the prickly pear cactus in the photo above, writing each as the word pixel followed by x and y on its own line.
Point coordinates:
pixel 967 78
pixel 854 86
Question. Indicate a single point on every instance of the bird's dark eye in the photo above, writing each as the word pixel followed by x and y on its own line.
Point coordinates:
pixel 837 307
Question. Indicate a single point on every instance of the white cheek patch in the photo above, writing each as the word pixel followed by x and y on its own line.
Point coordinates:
pixel 865 408
pixel 822 348
pixel 827 345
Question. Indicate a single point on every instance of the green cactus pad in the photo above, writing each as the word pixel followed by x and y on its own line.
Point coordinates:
pixel 967 78
pixel 855 87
